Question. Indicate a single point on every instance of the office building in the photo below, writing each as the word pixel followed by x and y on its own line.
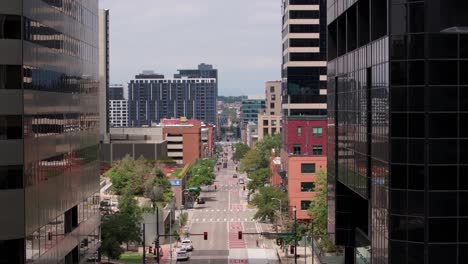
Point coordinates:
pixel 118 113
pixel 153 97
pixel 249 110
pixel 269 118
pixel 135 142
pixel 118 92
pixel 103 26
pixel 304 99
pixel 397 127
pixel 49 131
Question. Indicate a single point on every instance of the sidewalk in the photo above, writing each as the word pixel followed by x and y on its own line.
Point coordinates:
pixel 287 258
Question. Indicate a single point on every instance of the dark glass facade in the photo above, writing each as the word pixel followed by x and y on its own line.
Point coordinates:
pixel 396 113
pixel 49 126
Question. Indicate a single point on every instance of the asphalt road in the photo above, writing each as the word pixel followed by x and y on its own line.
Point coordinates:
pixel 222 216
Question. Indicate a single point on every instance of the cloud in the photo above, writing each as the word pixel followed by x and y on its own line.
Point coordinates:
pixel 241 38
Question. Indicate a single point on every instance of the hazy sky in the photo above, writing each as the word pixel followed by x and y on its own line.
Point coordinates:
pixel 241 38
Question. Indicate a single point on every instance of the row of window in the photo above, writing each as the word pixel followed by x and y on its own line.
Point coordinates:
pixel 317 150
pixel 316 131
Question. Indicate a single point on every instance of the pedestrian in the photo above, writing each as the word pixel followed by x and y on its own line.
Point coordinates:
pixel 256 241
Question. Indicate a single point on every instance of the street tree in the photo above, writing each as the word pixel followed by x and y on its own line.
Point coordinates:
pixel 258 179
pixel 265 146
pixel 251 161
pixel 318 212
pixel 266 207
pixel 240 151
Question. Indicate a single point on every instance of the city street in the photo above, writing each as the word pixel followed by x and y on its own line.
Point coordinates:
pixel 222 216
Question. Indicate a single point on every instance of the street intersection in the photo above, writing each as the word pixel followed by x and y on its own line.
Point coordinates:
pixel 223 215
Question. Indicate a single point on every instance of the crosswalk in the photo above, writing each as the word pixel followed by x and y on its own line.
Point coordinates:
pixel 201 220
pixel 233 209
pixel 235 242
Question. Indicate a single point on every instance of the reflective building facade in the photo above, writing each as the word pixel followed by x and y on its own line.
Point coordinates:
pixel 49 128
pixel 397 102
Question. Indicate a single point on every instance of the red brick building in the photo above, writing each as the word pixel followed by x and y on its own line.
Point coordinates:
pixel 304 154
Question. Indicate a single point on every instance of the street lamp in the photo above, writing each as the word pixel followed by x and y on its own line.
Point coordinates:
pixel 295 232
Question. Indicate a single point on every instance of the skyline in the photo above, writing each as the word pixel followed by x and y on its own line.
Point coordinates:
pixel 242 54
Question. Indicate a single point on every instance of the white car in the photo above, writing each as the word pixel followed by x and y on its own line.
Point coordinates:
pixel 182 255
pixel 187 244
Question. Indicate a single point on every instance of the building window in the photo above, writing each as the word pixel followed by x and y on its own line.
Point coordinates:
pixel 11 177
pixel 272 105
pixel 273 130
pixel 265 131
pixel 299 131
pixel 308 168
pixel 272 89
pixel 273 97
pixel 307 187
pixel 297 149
pixel 11 127
pixel 273 122
pixel 317 150
pixel 305 205
pixel 265 122
pixel 317 131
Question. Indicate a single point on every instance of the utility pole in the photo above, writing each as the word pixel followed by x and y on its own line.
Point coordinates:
pixel 157 235
pixel 295 234
pixel 144 246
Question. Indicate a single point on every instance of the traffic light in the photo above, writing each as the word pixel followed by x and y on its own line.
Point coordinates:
pixel 156 243
pixel 150 249
pixel 49 235
pixel 291 249
pixel 205 235
pixel 239 235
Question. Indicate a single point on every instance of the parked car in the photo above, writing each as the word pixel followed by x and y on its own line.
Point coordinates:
pixel 187 244
pixel 182 255
pixel 234 175
pixel 200 201
pixel 241 181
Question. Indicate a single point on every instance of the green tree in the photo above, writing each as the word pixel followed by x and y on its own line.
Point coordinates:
pixel 251 161
pixel 240 151
pixel 258 179
pixel 265 146
pixel 120 172
pixel 318 212
pixel 266 206
pixel 131 218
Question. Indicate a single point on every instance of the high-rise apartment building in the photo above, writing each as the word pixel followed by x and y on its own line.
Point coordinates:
pixel 398 159
pixel 117 92
pixel 269 118
pixel 49 131
pixel 189 94
pixel 304 98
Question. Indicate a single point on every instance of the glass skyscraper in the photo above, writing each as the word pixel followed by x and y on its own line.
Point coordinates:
pixel 49 126
pixel 398 148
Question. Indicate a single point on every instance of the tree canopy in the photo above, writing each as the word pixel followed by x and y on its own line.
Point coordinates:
pixel 318 212
pixel 201 173
pixel 240 151
pixel 122 227
pixel 128 175
pixel 258 179
pixel 265 204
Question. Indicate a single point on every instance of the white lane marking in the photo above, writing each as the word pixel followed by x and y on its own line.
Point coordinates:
pixel 224 210
pixel 217 210
pixel 212 210
pixel 230 210
pixel 203 219
pixel 206 210
pixel 196 220
pixel 232 219
pixel 224 219
pixel 238 219
pixel 217 220
pixel 211 219
pixel 245 219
